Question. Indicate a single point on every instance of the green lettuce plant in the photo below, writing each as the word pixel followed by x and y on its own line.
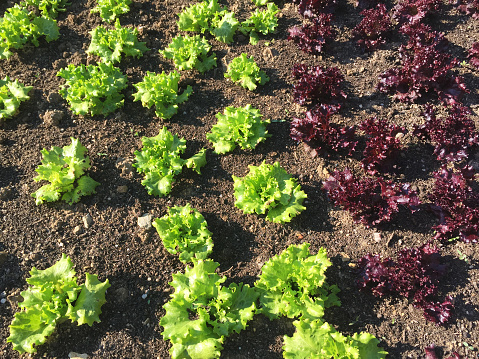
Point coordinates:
pixel 208 15
pixel 94 89
pixel 53 297
pixel 239 125
pixel 18 26
pixel 109 44
pixel 161 91
pixel 261 21
pixel 246 72
pixel 184 231
pixel 190 52
pixel 12 93
pixel 48 8
pixel 269 189
pixel 65 169
pixel 109 10
pixel 159 160
pixel 202 312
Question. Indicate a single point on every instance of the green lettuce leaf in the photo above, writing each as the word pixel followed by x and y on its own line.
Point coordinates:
pixel 246 72
pixel 12 93
pixel 109 10
pixel 261 21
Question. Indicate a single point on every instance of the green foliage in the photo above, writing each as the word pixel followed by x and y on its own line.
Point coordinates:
pixel 11 94
pixel 48 8
pixel 184 230
pixel 245 71
pixel 109 10
pixel 109 44
pixel 260 2
pixel 159 160
pixel 293 284
pixel 209 15
pixel 65 169
pixel 238 125
pixel 93 89
pixel 53 297
pixel 262 21
pixel 317 339
pixel 18 26
pixel 269 189
pixel 189 52
pixel 201 312
pixel 161 90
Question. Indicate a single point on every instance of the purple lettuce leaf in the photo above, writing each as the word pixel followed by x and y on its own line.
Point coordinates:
pixel 311 38
pixel 311 8
pixel 473 54
pixel 371 32
pixel 414 11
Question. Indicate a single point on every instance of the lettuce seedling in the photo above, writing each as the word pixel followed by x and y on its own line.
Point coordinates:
pixel 109 44
pixel 55 296
pixel 318 339
pixel 18 26
pixel 245 71
pixel 293 284
pixel 269 189
pixel 202 312
pixel 48 8
pixel 184 231
pixel 190 52
pixel 93 89
pixel 312 37
pixel 261 21
pixel 12 93
pixel 159 160
pixel 109 10
pixel 239 125
pixel 161 90
pixel 208 15
pixel 65 169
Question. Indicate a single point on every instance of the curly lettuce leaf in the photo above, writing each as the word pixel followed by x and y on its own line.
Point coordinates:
pixel 239 125
pixel 12 93
pixel 224 26
pixel 269 189
pixel 184 230
pixel 109 10
pixel 261 21
pixel 293 284
pixel 246 72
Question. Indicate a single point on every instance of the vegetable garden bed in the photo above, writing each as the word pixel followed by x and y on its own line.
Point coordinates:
pixel 362 131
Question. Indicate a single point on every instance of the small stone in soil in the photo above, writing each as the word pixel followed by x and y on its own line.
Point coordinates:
pixel 144 221
pixel 87 221
pixel 77 230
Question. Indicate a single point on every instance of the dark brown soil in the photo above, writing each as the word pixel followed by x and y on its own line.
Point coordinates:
pixel 134 260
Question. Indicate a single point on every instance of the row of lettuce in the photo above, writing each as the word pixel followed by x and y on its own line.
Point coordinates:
pixel 267 189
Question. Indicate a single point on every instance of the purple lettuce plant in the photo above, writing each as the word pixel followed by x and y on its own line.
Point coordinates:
pixel 312 37
pixel 371 32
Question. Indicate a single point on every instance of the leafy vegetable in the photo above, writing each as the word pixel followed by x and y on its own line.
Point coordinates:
pixel 159 161
pixel 414 11
pixel 431 353
pixel 209 15
pixel 18 26
pixel 184 230
pixel 382 147
pixel 189 52
pixel 293 284
pixel 469 7
pixel 65 169
pixel 312 37
pixel 414 275
pixel 238 125
pixel 473 55
pixel 317 339
pixel 371 201
pixel 456 204
pixel 424 68
pixel 109 10
pixel 161 90
pixel 93 89
pixel 454 136
pixel 245 71
pixel 48 8
pixel 311 8
pixel 269 189
pixel 53 297
pixel 317 85
pixel 320 135
pixel 370 33
pixel 12 93
pixel 262 21
pixel 109 44
pixel 201 311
